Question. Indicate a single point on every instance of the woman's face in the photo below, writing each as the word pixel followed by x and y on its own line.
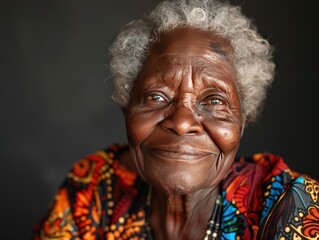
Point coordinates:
pixel 184 119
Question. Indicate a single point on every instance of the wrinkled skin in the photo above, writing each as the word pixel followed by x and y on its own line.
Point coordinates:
pixel 184 124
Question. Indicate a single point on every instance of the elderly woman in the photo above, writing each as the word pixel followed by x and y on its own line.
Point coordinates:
pixel 189 76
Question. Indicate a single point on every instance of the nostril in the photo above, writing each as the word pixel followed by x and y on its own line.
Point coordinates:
pixel 182 121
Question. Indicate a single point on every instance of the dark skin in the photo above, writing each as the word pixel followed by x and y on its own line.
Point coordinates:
pixel 184 123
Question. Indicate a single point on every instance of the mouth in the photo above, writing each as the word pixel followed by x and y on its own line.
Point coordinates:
pixel 180 152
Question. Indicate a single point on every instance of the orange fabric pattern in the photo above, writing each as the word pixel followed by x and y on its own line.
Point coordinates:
pixel 262 199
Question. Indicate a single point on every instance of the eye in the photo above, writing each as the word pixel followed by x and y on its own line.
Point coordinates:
pixel 214 100
pixel 155 98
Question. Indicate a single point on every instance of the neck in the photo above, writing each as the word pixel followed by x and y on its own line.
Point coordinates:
pixel 181 216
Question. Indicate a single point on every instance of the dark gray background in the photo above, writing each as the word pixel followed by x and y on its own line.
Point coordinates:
pixel 55 93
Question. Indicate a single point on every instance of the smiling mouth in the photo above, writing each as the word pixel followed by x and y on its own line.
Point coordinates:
pixel 179 152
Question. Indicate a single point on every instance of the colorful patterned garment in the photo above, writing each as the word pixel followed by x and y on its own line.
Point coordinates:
pixel 262 199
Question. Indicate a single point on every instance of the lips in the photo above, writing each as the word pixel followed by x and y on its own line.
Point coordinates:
pixel 179 152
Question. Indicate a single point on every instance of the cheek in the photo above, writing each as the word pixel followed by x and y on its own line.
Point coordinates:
pixel 139 126
pixel 226 135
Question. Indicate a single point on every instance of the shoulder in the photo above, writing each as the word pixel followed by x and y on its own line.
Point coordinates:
pixel 87 197
pixel 265 163
pixel 97 166
pixel 99 179
pixel 295 213
pixel 256 173
pixel 267 195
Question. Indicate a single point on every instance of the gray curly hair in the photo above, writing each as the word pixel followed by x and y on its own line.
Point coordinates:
pixel 253 54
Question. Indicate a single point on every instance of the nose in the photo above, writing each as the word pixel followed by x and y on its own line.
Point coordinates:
pixel 182 120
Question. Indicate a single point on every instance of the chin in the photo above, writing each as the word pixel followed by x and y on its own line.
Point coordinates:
pixel 174 190
pixel 176 184
pixel 181 190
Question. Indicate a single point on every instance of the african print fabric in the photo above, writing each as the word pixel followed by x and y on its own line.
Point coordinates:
pixel 262 199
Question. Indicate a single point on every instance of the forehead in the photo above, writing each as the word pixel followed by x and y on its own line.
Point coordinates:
pixel 187 49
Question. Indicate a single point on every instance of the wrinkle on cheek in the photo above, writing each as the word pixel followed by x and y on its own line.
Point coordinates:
pixel 136 155
pixel 135 129
pixel 218 162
